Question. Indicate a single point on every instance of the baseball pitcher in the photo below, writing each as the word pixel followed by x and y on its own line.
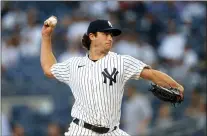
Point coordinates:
pixel 97 80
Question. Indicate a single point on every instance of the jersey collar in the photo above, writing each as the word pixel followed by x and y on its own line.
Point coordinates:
pixel 90 61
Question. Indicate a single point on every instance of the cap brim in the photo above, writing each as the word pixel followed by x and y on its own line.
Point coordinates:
pixel 114 31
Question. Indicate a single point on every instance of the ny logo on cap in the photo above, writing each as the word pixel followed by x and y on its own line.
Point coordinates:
pixel 109 24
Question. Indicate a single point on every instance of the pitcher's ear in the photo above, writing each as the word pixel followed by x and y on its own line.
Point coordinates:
pixel 92 36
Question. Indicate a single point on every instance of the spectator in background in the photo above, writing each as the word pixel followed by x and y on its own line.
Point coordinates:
pixel 152 27
pixel 182 70
pixel 101 8
pixel 10 51
pixel 5 127
pixel 202 112
pixel 128 45
pixel 78 26
pixel 156 7
pixel 127 14
pixel 5 8
pixel 17 130
pixel 134 44
pixel 15 17
pixel 197 108
pixel 72 51
pixel 190 57
pixel 31 35
pixel 147 52
pixel 196 40
pixel 54 129
pixel 193 9
pixel 137 112
pixel 172 10
pixel 173 45
pixel 60 41
pixel 140 9
pixel 193 107
pixel 164 119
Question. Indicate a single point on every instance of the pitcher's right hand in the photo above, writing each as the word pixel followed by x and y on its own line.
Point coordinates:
pixel 49 26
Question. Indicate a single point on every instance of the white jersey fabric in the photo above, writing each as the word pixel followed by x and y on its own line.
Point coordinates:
pixel 98 86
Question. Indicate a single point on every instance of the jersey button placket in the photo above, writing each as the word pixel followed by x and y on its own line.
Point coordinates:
pixel 94 84
pixel 92 77
pixel 94 80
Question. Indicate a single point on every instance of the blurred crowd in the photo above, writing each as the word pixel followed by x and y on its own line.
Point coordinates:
pixel 168 36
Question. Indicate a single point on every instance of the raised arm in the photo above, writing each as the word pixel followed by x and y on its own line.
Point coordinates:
pixel 47 57
pixel 160 78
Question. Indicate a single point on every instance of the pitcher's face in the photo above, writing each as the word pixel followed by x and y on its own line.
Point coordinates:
pixel 103 40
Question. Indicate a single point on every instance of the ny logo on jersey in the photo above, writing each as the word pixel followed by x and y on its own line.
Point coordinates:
pixel 111 77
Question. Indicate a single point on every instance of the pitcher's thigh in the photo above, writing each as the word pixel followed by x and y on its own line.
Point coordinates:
pixel 75 130
pixel 117 132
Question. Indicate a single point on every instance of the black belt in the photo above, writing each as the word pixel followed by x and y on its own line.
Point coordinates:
pixel 96 129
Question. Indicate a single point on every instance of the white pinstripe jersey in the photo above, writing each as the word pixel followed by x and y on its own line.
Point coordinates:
pixel 98 86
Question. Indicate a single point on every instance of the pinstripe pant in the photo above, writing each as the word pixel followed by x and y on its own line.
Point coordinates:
pixel 76 130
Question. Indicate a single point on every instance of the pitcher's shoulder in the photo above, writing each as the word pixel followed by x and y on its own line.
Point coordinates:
pixel 114 54
pixel 120 56
pixel 74 59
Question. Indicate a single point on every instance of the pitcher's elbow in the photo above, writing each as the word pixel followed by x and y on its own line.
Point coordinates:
pixel 47 72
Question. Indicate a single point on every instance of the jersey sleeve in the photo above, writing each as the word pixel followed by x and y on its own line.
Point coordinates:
pixel 133 67
pixel 61 71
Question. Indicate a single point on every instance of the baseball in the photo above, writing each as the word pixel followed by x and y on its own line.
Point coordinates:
pixel 51 21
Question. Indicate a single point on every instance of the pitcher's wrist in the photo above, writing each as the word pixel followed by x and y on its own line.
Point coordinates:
pixel 46 37
pixel 181 88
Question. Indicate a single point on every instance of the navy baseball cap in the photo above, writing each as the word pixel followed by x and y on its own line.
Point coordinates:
pixel 102 26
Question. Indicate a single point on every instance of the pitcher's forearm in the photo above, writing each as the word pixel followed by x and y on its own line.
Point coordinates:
pixel 47 56
pixel 164 80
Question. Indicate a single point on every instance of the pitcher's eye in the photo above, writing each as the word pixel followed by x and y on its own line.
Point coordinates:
pixel 108 33
pixel 111 34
